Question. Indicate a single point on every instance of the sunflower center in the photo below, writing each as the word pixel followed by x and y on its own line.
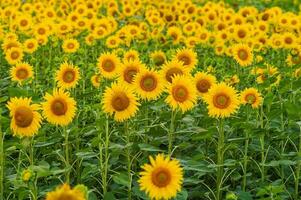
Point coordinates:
pixel 59 107
pixel 172 72
pixel 288 40
pixel 148 83
pixel 185 59
pixel 129 74
pixel 108 65
pixel 24 22
pixel 30 45
pixel 180 93
pixel 22 73
pixel 41 31
pixel 250 98
pixel 70 45
pixel 241 34
pixel 120 102
pixel 15 55
pixel 221 101
pixel 69 76
pixel 161 177
pixel 23 117
pixel 159 60
pixel 203 86
pixel 242 54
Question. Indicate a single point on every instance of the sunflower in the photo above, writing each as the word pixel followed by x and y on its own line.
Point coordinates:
pixel 162 178
pixel 30 45
pixel 26 120
pixel 158 58
pixel 59 108
pixel 175 33
pixel 113 42
pixel 203 82
pixel 120 101
pixel 170 69
pixel 10 43
pixel 131 55
pixel 21 72
pixel 24 22
pixel 128 71
pixel 95 80
pixel 70 45
pixel 67 76
pixel 65 192
pixel 108 64
pixel 251 96
pixel 242 54
pixel 222 100
pixel 188 57
pixel 148 84
pixel 181 93
pixel 14 55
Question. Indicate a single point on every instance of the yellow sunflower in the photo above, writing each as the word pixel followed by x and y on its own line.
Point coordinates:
pixel 30 45
pixel 95 80
pixel 242 54
pixel 203 82
pixel 70 45
pixel 222 101
pixel 10 43
pixel 162 178
pixel 59 108
pixel 14 55
pixel 131 55
pixel 26 120
pixel 181 93
pixel 120 101
pixel 188 57
pixel 128 71
pixel 158 58
pixel 67 76
pixel 251 96
pixel 170 69
pixel 108 64
pixel 21 72
pixel 148 84
pixel 64 192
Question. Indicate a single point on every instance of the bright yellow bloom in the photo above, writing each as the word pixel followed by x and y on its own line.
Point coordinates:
pixel 67 76
pixel 64 192
pixel 25 118
pixel 162 178
pixel 251 96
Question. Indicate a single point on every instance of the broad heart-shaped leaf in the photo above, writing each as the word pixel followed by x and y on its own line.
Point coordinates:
pixel 121 179
pixel 148 147
pixel 275 163
pixel 183 195
pixel 17 92
pixel 109 196
pixel 244 196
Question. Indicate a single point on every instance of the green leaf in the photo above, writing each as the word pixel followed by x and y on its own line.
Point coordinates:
pixel 148 147
pixel 121 179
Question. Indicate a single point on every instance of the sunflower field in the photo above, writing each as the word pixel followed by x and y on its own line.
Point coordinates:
pixel 150 100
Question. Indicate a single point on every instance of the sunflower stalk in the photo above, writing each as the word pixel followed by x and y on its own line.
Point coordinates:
pixel 1 159
pixel 67 161
pixel 34 191
pixel 298 168
pixel 128 155
pixel 245 160
pixel 262 144
pixel 171 132
pixel 220 159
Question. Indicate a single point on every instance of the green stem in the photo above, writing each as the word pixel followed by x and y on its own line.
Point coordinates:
pixel 67 172
pixel 298 169
pixel 106 161
pixel 128 155
pixel 220 159
pixel 245 165
pixel 262 144
pixel 1 160
pixel 171 132
pixel 34 191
